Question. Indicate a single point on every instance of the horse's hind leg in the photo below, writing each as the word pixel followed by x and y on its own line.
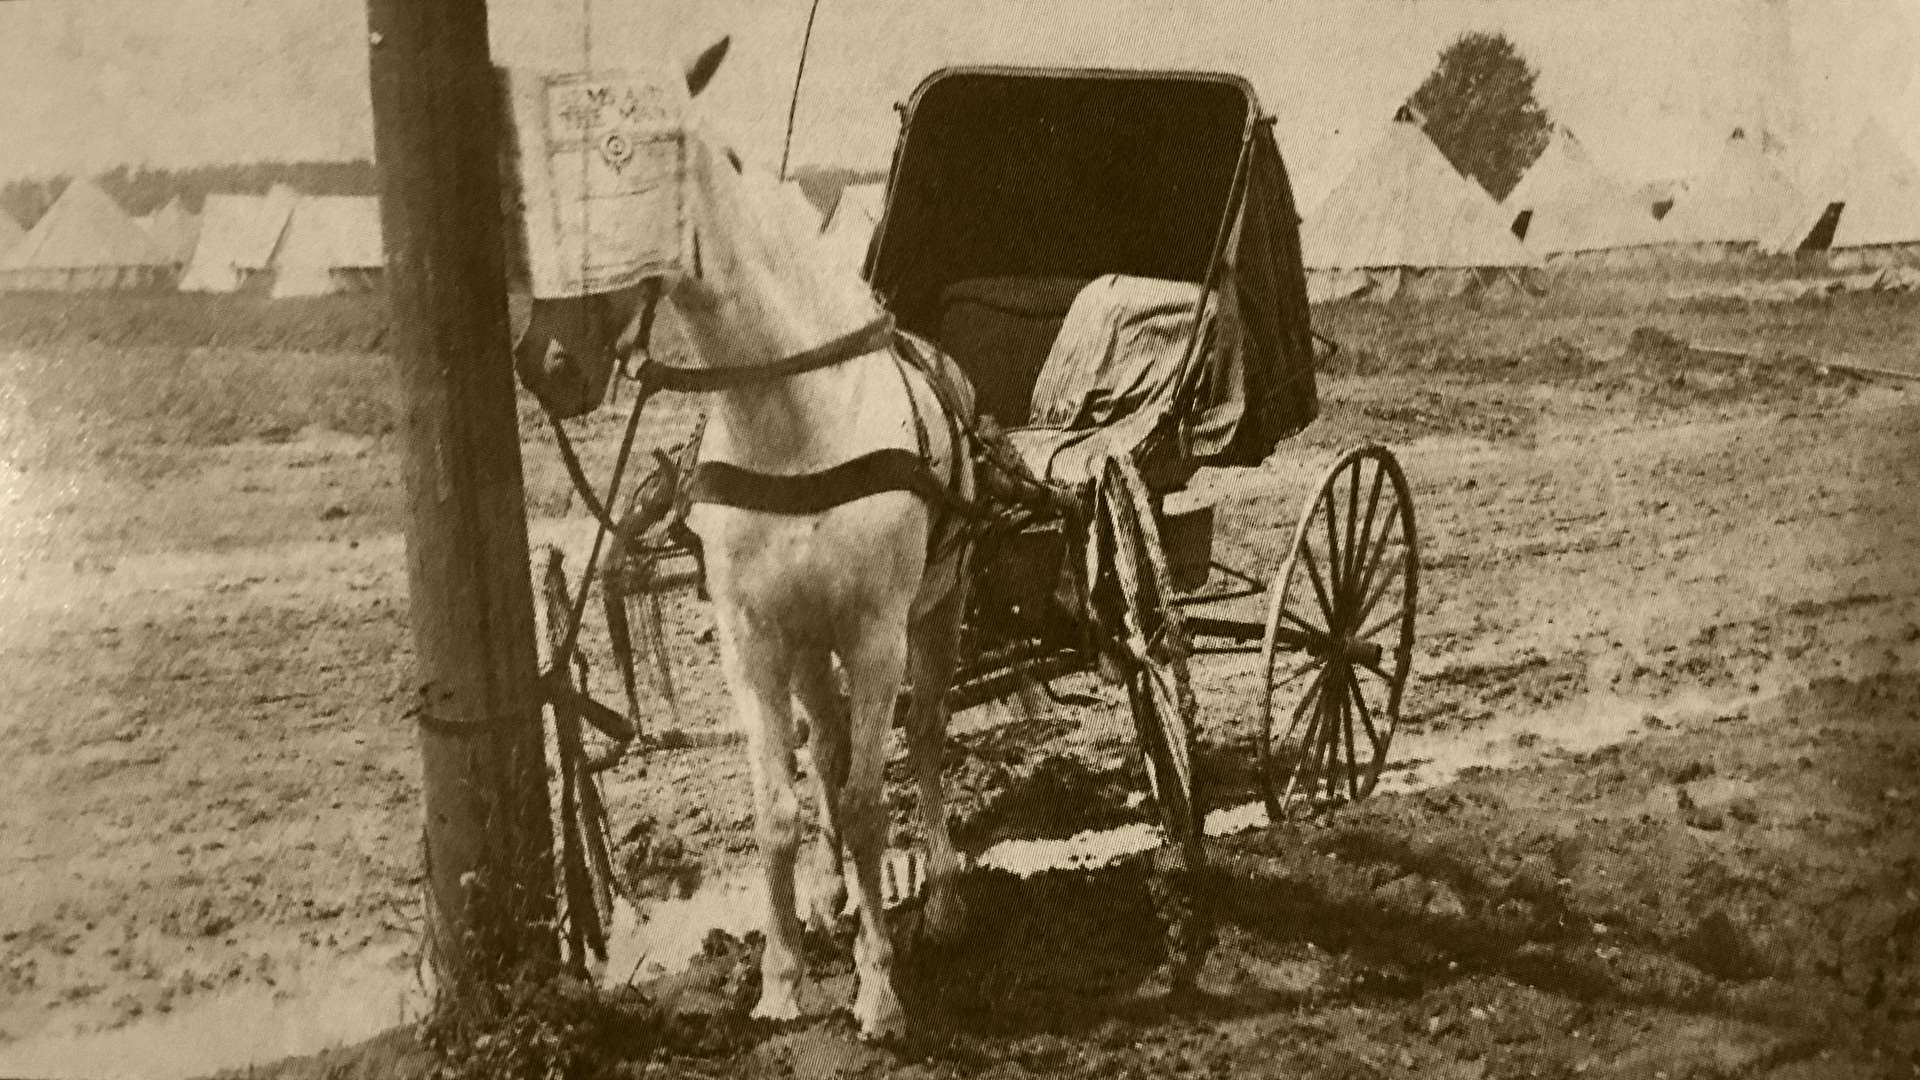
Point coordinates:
pixel 875 663
pixel 935 642
pixel 827 725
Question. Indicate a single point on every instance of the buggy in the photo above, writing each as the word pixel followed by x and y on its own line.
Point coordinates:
pixel 1112 258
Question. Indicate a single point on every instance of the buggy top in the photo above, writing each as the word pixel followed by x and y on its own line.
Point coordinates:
pixel 1015 191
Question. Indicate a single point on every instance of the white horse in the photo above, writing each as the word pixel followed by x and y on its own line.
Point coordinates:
pixel 876 582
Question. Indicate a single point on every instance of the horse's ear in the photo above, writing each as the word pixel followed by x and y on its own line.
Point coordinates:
pixel 704 66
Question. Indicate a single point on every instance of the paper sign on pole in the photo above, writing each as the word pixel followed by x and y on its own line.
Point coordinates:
pixel 594 167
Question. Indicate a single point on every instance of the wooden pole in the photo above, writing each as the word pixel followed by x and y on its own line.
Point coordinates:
pixel 489 843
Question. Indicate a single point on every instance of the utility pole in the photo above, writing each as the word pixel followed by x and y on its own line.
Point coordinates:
pixel 489 842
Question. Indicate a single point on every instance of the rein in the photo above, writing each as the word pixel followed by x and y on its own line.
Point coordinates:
pixel 872 337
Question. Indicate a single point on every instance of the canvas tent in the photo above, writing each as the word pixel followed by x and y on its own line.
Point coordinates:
pixel 331 244
pixel 1864 212
pixel 1404 223
pixel 85 241
pixel 174 230
pixel 1567 209
pixel 850 229
pixel 238 237
pixel 1727 212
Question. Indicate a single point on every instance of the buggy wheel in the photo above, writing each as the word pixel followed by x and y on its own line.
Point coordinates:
pixel 586 864
pixel 1339 637
pixel 1150 646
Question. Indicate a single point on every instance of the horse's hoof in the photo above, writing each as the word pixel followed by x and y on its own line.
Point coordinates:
pixel 777 1008
pixel 878 1012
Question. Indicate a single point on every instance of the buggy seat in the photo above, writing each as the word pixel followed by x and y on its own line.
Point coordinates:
pixel 1075 370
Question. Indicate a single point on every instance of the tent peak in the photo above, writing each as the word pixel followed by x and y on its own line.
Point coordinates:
pixel 1402 204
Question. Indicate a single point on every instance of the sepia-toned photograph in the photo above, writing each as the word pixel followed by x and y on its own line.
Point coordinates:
pixel 935 539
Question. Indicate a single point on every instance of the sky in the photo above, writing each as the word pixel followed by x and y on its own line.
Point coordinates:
pixel 1650 86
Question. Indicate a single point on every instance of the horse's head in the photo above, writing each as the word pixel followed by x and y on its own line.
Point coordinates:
pixel 756 284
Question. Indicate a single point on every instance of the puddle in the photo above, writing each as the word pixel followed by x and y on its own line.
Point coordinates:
pixel 672 931
pixel 342 1004
pixel 323 1007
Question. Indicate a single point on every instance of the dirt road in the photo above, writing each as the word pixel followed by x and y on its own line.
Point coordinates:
pixel 212 794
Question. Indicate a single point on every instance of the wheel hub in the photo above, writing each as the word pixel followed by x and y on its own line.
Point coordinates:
pixel 1360 653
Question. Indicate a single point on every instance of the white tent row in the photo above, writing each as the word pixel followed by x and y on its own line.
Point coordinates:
pixel 291 244
pixel 1863 211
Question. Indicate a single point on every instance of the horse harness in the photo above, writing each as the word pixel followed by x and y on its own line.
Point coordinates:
pixel 1006 490
pixel 891 469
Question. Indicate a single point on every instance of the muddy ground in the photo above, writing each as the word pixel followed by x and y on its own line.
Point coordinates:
pixel 1670 601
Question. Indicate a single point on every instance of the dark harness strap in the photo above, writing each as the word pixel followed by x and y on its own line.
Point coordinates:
pixel 815 493
pixel 954 510
pixel 872 337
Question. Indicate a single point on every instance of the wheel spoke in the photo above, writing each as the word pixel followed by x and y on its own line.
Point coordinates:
pixel 1301 670
pixel 1330 737
pixel 1318 779
pixel 1373 556
pixel 1313 574
pixel 1386 581
pixel 1313 743
pixel 1347 564
pixel 1366 717
pixel 1298 767
pixel 1317 631
pixel 1384 621
pixel 1334 578
pixel 1299 710
pixel 1362 553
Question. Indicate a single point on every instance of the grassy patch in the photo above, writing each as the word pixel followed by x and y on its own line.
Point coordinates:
pixel 343 323
pixel 110 401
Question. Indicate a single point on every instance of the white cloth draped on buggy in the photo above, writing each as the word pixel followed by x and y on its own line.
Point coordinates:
pixel 1110 379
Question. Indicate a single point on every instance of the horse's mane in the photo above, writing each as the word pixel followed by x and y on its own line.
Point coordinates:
pixel 776 229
